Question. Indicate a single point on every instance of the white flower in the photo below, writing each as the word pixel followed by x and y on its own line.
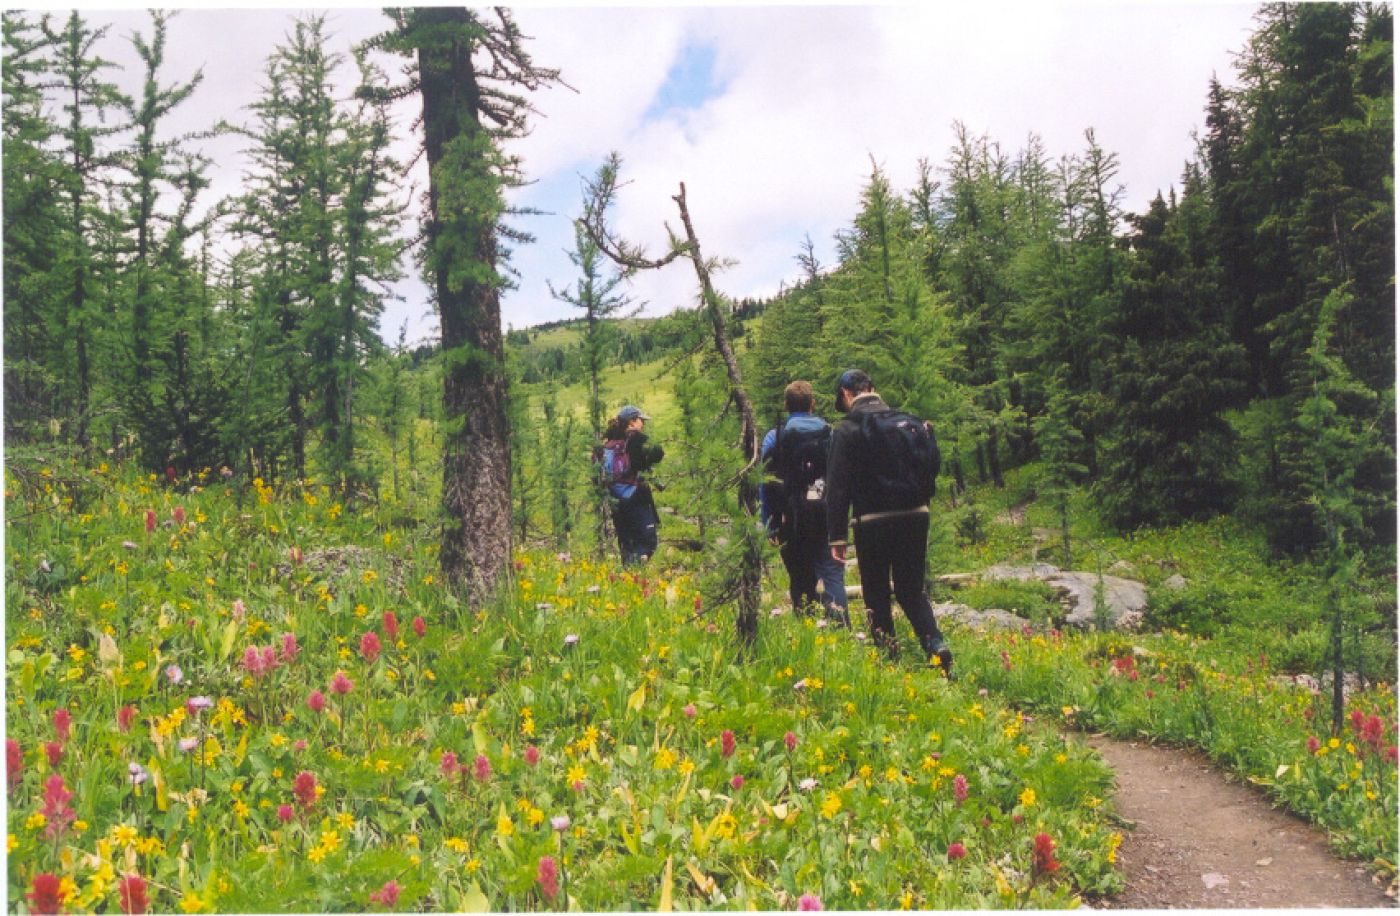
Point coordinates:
pixel 560 822
pixel 776 612
pixel 571 639
pixel 860 636
pixel 174 673
pixel 136 773
pixel 594 589
pixel 807 784
pixel 821 624
pixel 129 545
pixel 188 744
pixel 800 685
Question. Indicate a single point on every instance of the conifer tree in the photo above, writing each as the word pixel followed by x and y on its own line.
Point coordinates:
pixel 600 296
pixel 34 228
pixel 470 68
pixel 1171 374
pixel 87 97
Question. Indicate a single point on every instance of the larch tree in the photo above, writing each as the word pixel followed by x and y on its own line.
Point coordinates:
pixel 470 68
pixel 744 578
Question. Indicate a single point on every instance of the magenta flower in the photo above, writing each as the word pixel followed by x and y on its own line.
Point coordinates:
pixel 340 684
pixel 790 741
pixel 548 877
pixel 449 763
pixel 726 743
pixel 316 701
pixel 956 851
pixel 481 769
pixel 736 781
pixel 56 810
pixel 304 788
pixel 532 755
pixel 238 609
pixel 388 895
pixel 150 521
pixel 690 711
pixel 284 813
pixel 131 890
pixel 370 646
pixel 420 627
pixel 960 788
pixel 289 647
pixel 178 513
pixel 62 723
pixel 14 763
pixel 1313 744
pixel 54 751
pixel 809 903
pixel 391 626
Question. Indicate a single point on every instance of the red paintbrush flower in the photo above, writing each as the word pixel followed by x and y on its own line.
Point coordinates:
pixel 132 890
pixel 1043 855
pixel 44 898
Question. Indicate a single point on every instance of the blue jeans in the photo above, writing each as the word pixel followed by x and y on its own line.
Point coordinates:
pixel 808 560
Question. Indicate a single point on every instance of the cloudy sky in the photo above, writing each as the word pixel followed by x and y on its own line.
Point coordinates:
pixel 771 114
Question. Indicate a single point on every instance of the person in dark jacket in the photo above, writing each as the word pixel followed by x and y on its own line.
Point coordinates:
pixel 794 511
pixel 891 540
pixel 634 514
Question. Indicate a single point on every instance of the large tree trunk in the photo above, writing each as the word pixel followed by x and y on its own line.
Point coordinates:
pixel 476 537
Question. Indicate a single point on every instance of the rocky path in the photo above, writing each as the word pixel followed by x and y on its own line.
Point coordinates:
pixel 1200 841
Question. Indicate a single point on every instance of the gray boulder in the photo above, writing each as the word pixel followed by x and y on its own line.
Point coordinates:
pixel 1125 600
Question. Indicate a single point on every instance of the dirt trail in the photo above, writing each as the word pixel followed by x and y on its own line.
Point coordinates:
pixel 1201 841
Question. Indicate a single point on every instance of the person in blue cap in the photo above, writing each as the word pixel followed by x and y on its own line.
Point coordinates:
pixel 881 471
pixel 625 456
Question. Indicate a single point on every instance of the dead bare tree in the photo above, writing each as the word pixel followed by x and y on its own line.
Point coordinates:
pixel 601 193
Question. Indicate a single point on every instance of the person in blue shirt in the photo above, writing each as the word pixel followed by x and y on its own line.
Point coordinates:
pixel 792 505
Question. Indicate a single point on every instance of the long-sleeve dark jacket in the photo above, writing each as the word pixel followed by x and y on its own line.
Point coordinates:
pixel 640 455
pixel 844 494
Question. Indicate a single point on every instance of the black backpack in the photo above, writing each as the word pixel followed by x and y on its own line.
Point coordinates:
pixel 799 460
pixel 901 461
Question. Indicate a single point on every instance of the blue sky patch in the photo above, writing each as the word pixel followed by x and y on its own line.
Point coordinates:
pixel 689 83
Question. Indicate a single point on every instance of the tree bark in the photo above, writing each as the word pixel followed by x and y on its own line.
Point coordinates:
pixel 476 536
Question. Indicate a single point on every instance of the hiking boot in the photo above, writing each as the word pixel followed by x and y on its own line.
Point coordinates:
pixel 944 656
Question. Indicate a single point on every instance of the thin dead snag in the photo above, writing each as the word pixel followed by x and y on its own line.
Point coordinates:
pixel 632 257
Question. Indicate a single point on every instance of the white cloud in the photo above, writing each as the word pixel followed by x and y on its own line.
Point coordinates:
pixel 810 94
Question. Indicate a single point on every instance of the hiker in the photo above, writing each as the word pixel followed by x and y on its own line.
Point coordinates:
pixel 793 507
pixel 881 470
pixel 625 455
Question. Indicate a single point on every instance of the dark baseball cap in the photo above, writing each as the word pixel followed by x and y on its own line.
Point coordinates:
pixel 852 380
pixel 631 412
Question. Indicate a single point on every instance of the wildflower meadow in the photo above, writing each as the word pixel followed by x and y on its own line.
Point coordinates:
pixel 220 700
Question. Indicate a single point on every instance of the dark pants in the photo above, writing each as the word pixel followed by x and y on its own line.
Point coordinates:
pixel 635 521
pixel 893 549
pixel 808 558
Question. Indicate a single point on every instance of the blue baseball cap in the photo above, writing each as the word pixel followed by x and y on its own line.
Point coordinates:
pixel 631 412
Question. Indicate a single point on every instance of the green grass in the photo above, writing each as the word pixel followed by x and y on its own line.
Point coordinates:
pixel 629 723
